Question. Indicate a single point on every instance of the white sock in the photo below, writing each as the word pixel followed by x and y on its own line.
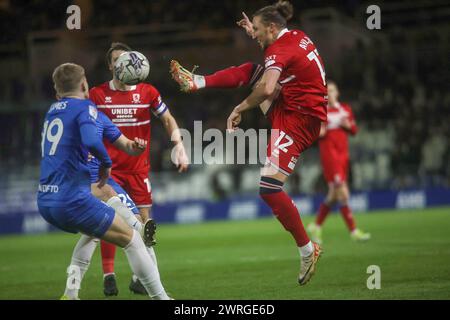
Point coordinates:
pixel 306 250
pixel 199 81
pixel 144 268
pixel 152 254
pixel 81 258
pixel 124 212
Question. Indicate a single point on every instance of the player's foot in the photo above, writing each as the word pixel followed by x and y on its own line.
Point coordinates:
pixel 359 235
pixel 183 77
pixel 308 265
pixel 66 297
pixel 137 287
pixel 110 285
pixel 315 232
pixel 149 231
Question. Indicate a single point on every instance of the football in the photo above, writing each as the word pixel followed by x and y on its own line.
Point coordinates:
pixel 131 67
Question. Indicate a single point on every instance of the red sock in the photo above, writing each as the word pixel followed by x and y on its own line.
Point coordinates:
pixel 286 212
pixel 108 253
pixel 348 217
pixel 233 77
pixel 324 209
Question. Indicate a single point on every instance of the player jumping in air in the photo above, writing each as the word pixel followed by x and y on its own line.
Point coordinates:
pixel 292 61
pixel 130 108
pixel 64 197
pixel 334 155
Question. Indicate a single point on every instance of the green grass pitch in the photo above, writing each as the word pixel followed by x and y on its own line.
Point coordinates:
pixel 254 260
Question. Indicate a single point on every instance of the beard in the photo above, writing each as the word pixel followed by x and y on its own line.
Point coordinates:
pixel 263 45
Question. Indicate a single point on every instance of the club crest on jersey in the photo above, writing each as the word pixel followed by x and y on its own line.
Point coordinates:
pixel 93 112
pixel 136 98
pixel 108 100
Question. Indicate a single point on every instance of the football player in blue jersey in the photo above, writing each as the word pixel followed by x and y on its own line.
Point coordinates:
pixel 114 195
pixel 64 197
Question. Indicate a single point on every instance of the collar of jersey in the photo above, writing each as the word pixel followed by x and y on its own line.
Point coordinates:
pixel 282 32
pixel 112 87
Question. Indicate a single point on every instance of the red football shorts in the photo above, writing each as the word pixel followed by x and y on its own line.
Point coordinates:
pixel 137 186
pixel 292 133
pixel 334 165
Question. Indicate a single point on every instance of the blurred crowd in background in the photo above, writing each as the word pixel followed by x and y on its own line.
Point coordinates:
pixel 396 79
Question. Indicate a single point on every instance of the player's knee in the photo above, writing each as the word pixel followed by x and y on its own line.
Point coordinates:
pixel 342 198
pixel 269 185
pixel 330 201
pixel 343 201
pixel 331 195
pixel 119 233
pixel 124 238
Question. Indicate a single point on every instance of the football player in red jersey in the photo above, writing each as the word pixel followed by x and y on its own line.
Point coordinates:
pixel 130 108
pixel 334 156
pixel 296 114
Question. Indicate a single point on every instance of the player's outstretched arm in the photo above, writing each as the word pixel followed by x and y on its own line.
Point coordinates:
pixel 263 91
pixel 133 148
pixel 112 134
pixel 247 25
pixel 179 155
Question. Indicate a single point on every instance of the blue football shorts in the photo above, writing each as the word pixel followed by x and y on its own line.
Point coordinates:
pixel 89 216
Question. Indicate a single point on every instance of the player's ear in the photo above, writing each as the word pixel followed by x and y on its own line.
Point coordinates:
pixel 272 26
pixel 85 87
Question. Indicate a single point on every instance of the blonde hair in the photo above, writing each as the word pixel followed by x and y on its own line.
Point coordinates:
pixel 67 78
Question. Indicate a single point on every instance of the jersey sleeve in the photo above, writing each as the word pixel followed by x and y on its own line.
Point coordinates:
pixel 276 58
pixel 157 106
pixel 110 130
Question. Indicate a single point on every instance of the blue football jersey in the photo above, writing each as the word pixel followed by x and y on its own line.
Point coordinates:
pixel 65 175
pixel 106 130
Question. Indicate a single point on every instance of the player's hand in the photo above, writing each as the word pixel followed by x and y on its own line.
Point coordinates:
pixel 346 124
pixel 103 174
pixel 181 159
pixel 233 120
pixel 247 25
pixel 138 146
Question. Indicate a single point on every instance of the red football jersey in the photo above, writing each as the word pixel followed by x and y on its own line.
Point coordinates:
pixel 130 111
pixel 302 73
pixel 336 136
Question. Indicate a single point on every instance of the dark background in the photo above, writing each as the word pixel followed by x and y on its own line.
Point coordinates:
pixel 396 79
